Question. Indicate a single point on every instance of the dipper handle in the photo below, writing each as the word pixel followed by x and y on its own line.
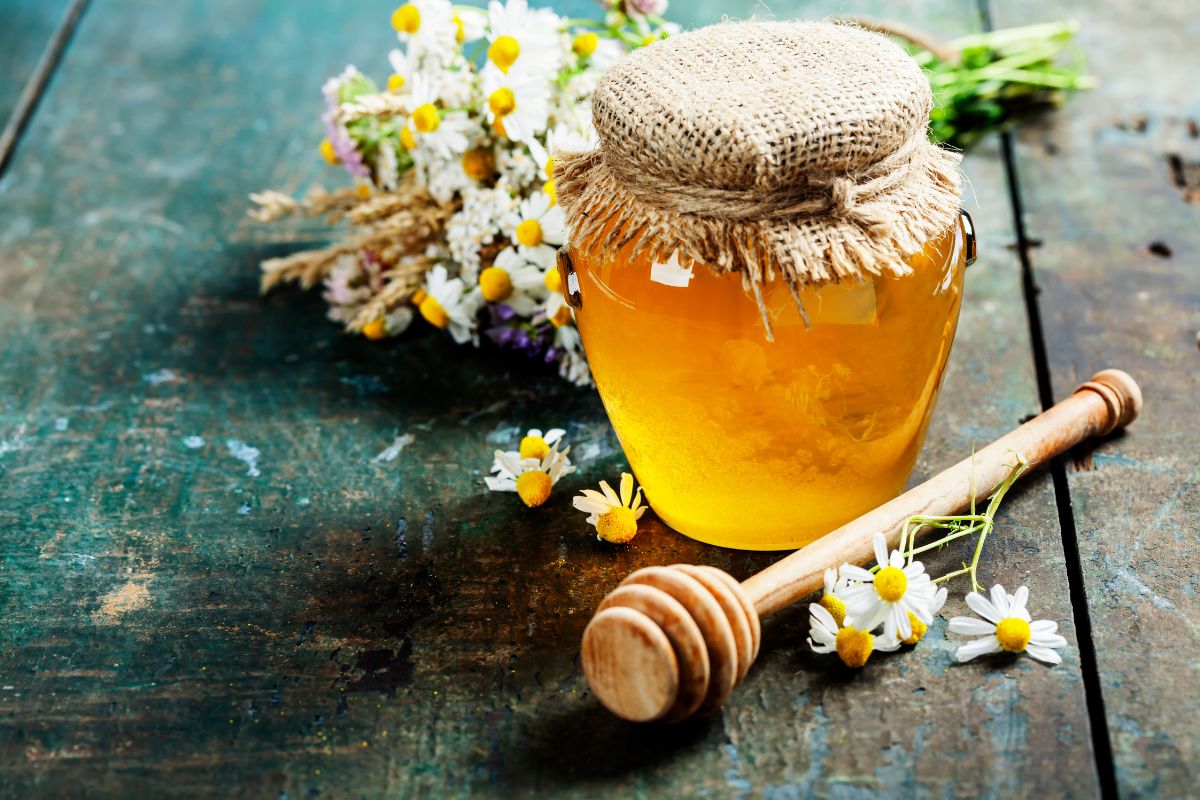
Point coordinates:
pixel 674 641
pixel 1110 400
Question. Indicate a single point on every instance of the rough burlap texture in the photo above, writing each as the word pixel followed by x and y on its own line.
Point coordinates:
pixel 791 149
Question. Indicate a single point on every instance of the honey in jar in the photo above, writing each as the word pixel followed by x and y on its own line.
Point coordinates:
pixel 768 311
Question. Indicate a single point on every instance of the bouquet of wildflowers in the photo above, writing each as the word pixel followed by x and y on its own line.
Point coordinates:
pixel 454 218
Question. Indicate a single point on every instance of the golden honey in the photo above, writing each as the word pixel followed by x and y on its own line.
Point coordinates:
pixel 763 445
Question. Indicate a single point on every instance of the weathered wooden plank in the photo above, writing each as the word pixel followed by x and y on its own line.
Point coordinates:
pixel 184 616
pixel 1118 267
pixel 31 38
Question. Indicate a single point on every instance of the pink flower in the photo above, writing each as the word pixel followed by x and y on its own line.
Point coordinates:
pixel 639 8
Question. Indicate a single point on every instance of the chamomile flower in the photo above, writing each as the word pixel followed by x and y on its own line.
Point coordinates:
pixel 531 478
pixel 514 280
pixel 427 27
pixel 540 225
pixel 889 595
pixel 1006 626
pixel 441 133
pixel 523 40
pixel 615 517
pixel 853 646
pixel 518 105
pixel 447 304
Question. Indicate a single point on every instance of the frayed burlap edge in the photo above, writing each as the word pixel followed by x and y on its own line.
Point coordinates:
pixel 810 250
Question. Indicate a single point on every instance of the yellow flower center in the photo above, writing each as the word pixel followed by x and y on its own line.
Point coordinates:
pixel 433 312
pixel 918 629
pixel 479 163
pixel 617 525
pixel 327 151
pixel 407 138
pixel 891 583
pixel 460 32
pixel 502 102
pixel 649 40
pixel 533 447
pixel 417 297
pixel 395 82
pixel 426 119
pixel 549 168
pixel 503 52
pixel 362 191
pixel 533 487
pixel 585 44
pixel 406 19
pixel 1013 634
pixel 375 329
pixel 498 128
pixel 553 280
pixel 548 188
pixel 854 646
pixel 529 233
pixel 495 285
pixel 835 607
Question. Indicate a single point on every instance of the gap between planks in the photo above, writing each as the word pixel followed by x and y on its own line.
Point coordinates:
pixel 1089 668
pixel 35 87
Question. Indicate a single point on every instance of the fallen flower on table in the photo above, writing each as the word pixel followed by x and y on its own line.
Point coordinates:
pixel 895 596
pixel 615 517
pixel 857 601
pixel 1006 626
pixel 531 478
pixel 852 645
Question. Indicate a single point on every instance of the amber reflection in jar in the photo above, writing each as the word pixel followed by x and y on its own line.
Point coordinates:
pixel 761 445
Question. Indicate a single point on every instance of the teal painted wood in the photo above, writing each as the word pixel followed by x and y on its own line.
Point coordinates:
pixel 211 586
pixel 26 26
pixel 1106 190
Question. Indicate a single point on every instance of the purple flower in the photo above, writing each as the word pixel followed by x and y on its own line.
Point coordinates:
pixel 344 147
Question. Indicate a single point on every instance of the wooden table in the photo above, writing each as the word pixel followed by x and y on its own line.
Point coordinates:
pixel 185 614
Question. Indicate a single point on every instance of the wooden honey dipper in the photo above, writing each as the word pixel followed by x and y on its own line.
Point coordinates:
pixel 670 642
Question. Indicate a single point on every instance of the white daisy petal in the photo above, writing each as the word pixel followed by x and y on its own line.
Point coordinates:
pixel 977 648
pixel 1048 640
pixel 822 614
pixel 854 573
pixel 1017 600
pixel 1043 654
pixel 1043 626
pixel 881 553
pixel 970 626
pixel 902 623
pixel 1000 600
pixel 981 606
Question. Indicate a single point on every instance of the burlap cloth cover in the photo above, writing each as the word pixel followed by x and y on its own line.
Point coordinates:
pixel 792 149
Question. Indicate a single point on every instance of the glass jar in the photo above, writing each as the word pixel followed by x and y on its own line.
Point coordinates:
pixel 766 445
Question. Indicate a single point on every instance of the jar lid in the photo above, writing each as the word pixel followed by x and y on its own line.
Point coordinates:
pixel 790 149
